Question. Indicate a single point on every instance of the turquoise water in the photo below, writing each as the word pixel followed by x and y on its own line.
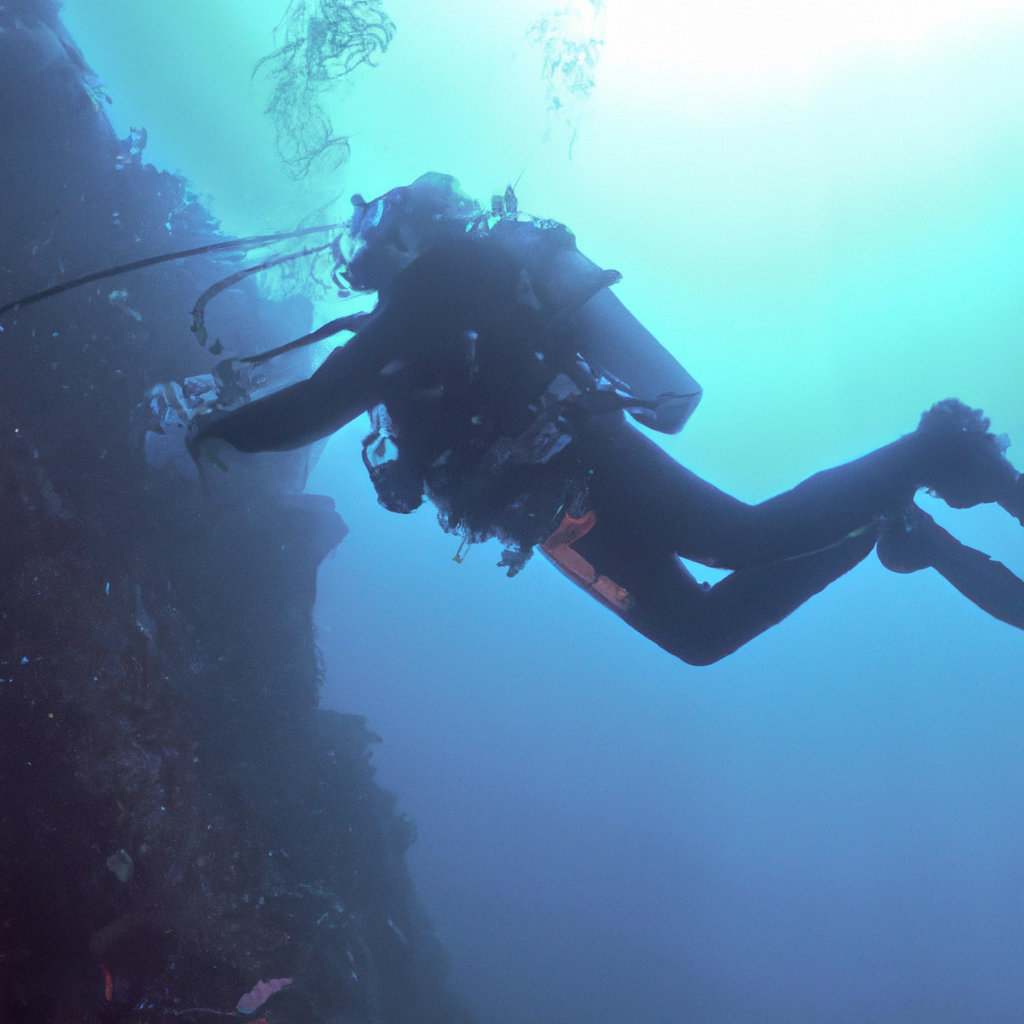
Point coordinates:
pixel 820 210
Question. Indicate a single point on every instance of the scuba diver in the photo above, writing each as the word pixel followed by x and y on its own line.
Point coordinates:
pixel 498 369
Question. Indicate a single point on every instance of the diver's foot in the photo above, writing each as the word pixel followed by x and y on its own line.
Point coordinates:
pixel 965 463
pixel 909 540
pixel 1014 501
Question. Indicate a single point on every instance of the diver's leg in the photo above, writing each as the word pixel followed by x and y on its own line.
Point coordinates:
pixel 634 481
pixel 655 594
pixel 912 540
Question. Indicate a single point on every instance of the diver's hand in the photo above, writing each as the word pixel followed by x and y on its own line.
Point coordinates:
pixel 201 429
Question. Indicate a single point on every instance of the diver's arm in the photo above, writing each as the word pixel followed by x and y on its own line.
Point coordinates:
pixel 346 385
pixel 610 336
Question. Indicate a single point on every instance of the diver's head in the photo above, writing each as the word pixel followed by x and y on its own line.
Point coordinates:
pixel 393 229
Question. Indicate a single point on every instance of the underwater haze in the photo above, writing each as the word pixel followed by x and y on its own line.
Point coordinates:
pixel 819 209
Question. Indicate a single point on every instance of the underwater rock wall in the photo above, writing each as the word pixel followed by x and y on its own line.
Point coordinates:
pixel 179 821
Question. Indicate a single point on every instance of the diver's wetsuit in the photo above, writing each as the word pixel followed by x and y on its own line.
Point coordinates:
pixel 474 353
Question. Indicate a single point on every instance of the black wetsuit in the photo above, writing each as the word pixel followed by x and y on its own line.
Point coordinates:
pixel 466 352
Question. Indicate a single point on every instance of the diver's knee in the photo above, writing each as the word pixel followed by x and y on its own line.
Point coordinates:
pixel 703 655
pixel 685 624
pixel 696 647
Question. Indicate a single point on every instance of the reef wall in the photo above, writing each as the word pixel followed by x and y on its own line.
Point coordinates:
pixel 178 819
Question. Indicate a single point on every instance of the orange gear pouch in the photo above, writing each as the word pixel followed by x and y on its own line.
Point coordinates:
pixel 558 549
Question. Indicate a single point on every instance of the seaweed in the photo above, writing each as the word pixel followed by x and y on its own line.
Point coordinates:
pixel 322 43
pixel 571 40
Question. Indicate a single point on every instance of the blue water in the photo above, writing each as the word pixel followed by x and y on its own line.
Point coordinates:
pixel 820 210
